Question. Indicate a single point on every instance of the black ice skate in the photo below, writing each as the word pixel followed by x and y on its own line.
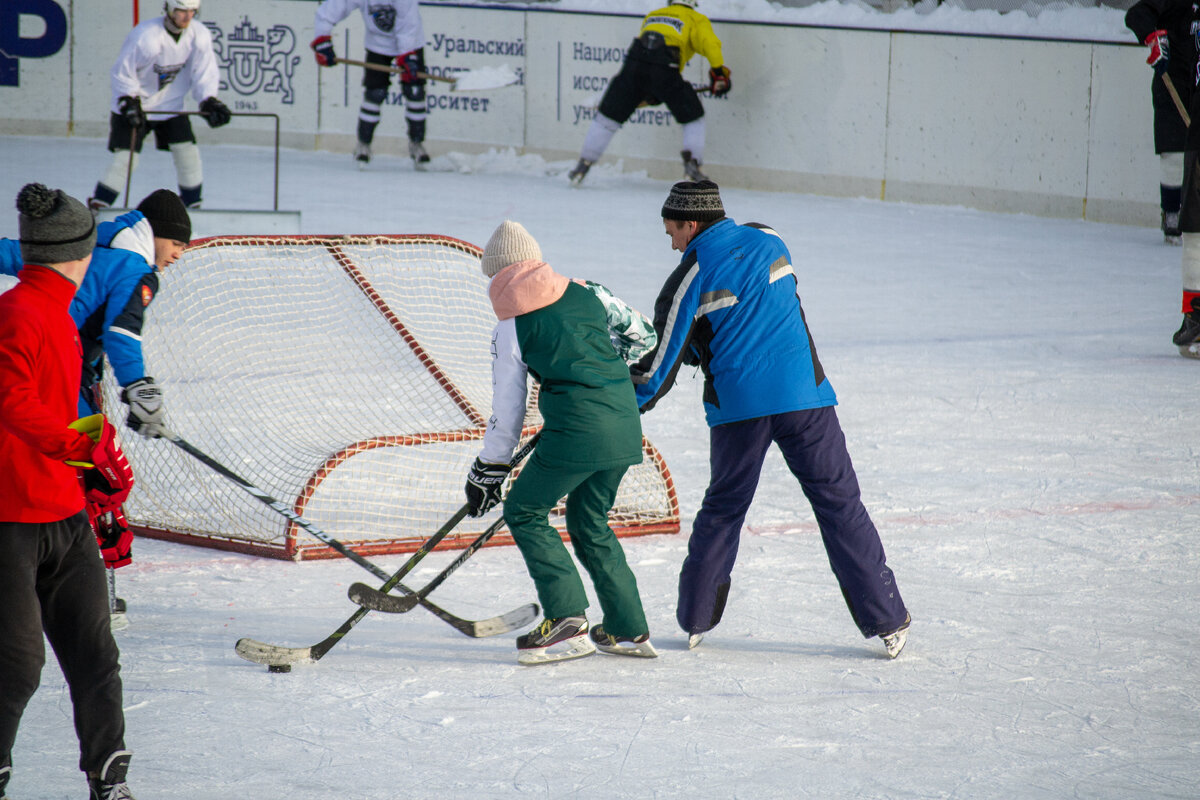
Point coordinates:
pixel 580 172
pixel 110 785
pixel 1170 227
pixel 623 645
pixel 691 167
pixel 895 640
pixel 1187 338
pixel 566 635
pixel 362 154
pixel 416 151
pixel 5 774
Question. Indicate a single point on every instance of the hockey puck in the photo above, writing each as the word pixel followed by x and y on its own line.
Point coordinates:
pixel 279 668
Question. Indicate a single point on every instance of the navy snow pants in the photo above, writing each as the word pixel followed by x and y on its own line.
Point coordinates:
pixel 815 451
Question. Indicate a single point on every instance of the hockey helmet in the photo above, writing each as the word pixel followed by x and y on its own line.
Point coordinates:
pixel 172 6
pixel 688 3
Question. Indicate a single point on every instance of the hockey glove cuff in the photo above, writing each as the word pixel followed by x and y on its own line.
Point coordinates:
pixel 145 408
pixel 485 486
pixel 215 112
pixel 323 49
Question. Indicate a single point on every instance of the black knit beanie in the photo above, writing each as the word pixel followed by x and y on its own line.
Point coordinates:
pixel 54 227
pixel 699 201
pixel 167 215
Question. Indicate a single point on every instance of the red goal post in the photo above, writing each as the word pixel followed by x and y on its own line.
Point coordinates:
pixel 347 376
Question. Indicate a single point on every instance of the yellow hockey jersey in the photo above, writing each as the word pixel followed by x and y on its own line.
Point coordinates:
pixel 687 29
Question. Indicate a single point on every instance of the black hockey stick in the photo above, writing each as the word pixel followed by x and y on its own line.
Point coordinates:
pixel 276 656
pixel 375 600
pixel 457 622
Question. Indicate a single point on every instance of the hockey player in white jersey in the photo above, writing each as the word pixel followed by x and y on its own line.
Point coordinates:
pixel 393 33
pixel 162 60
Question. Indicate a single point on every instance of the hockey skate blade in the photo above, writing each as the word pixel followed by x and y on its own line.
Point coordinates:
pixel 118 622
pixel 643 650
pixel 576 647
pixel 694 640
pixel 269 654
pixel 1190 350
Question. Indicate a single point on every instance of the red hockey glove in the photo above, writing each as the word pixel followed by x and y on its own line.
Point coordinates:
pixel 721 81
pixel 112 535
pixel 109 483
pixel 1160 51
pixel 323 49
pixel 410 62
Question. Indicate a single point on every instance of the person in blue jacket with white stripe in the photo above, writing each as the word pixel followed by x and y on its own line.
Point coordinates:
pixel 110 306
pixel 732 307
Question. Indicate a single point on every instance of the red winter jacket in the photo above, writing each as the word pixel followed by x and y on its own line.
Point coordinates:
pixel 40 362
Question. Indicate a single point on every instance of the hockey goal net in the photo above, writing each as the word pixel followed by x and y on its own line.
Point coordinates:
pixel 346 376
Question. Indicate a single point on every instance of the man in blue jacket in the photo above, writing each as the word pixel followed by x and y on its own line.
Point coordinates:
pixel 732 308
pixel 110 307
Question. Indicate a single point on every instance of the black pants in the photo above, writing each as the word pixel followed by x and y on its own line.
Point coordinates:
pixel 52 579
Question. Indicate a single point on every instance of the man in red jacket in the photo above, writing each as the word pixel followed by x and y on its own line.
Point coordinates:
pixel 51 573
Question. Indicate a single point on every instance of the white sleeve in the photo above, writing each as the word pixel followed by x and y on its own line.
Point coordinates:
pixel 206 77
pixel 509 379
pixel 124 78
pixel 330 13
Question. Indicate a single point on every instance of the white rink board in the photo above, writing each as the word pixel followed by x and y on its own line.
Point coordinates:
pixel 1033 126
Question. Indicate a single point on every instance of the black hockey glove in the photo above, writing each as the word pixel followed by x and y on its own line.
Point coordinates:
pixel 145 408
pixel 720 81
pixel 215 112
pixel 131 109
pixel 485 485
pixel 323 49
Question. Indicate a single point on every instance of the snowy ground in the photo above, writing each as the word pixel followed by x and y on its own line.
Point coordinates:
pixel 1024 432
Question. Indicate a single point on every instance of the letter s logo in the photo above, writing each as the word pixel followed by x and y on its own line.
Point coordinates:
pixel 13 47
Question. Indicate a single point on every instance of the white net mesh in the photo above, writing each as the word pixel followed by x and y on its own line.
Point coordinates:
pixel 348 377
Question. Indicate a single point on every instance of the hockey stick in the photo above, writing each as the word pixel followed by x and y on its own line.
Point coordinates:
pixel 457 622
pixel 376 600
pixel 454 82
pixel 1176 100
pixel 276 656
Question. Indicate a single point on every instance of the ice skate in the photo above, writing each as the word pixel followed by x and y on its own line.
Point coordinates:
pixel 694 640
pixel 1170 228
pixel 691 167
pixel 568 636
pixel 580 172
pixel 110 785
pixel 362 154
pixel 118 621
pixel 5 774
pixel 95 205
pixel 416 151
pixel 1187 338
pixel 623 645
pixel 895 640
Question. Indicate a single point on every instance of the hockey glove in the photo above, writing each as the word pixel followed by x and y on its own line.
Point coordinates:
pixel 112 535
pixel 485 484
pixel 721 82
pixel 215 112
pixel 411 64
pixel 323 49
pixel 131 109
pixel 145 408
pixel 1160 51
pixel 108 484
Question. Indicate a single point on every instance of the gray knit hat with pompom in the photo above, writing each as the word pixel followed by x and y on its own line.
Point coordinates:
pixel 54 227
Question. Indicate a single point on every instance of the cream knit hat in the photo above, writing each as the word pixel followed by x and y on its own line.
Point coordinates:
pixel 509 244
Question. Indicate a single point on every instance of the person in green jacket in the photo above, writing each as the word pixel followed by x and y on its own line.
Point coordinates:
pixel 567 335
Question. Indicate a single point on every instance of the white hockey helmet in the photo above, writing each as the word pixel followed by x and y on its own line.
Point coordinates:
pixel 172 6
pixel 688 3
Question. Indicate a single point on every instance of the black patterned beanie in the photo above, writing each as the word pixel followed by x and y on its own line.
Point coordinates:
pixel 699 201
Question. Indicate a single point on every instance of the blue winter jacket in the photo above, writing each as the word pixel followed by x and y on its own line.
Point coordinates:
pixel 109 307
pixel 732 308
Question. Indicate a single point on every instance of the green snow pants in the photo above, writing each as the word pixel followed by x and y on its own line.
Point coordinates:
pixel 590 496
